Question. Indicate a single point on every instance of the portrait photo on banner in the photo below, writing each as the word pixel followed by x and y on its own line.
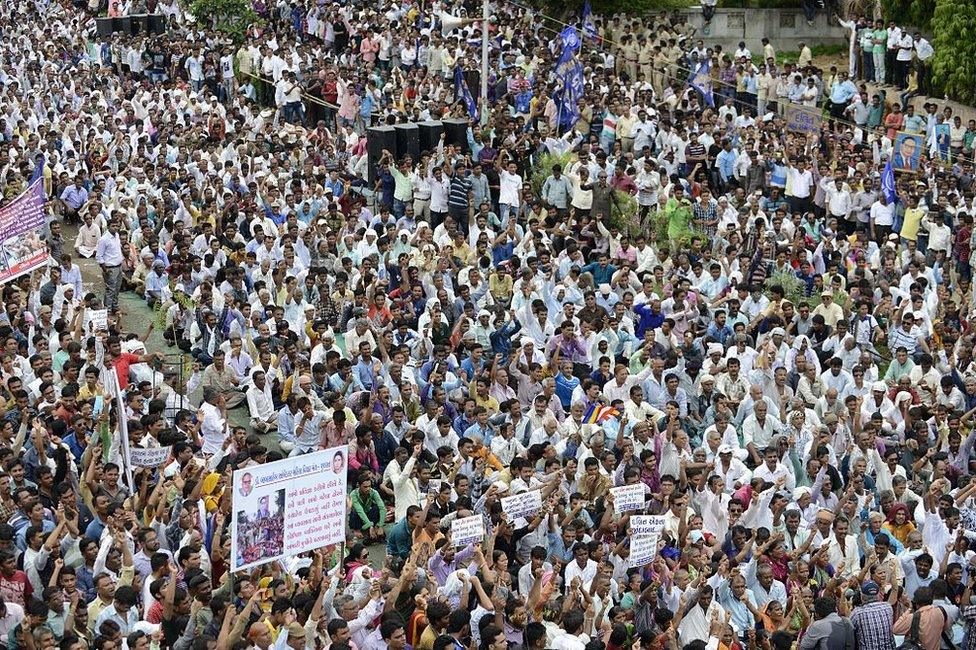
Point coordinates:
pixel 907 152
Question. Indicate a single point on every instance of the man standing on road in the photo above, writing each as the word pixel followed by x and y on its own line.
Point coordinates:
pixel 108 254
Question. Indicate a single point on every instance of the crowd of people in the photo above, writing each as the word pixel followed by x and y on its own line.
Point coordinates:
pixel 765 332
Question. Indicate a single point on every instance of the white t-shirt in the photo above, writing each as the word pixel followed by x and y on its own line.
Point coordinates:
pixel 509 188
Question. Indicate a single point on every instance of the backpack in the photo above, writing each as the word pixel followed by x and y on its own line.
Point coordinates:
pixel 912 641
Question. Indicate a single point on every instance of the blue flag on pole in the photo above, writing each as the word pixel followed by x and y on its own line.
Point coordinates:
pixel 589 28
pixel 38 171
pixel 569 72
pixel 701 80
pixel 462 93
pixel 888 184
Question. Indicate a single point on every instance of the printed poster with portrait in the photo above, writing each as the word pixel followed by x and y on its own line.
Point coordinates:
pixel 907 152
pixel 288 507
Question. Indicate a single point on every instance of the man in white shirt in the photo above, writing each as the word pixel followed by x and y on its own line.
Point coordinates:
pixel 264 418
pixel 108 254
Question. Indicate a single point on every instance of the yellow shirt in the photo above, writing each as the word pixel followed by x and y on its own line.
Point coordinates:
pixel 911 223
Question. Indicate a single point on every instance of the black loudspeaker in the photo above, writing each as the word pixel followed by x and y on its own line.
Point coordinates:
pixel 157 24
pixel 378 138
pixel 407 141
pixel 128 25
pixel 457 132
pixel 105 26
pixel 429 135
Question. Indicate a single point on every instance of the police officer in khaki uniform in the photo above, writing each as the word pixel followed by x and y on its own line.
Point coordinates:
pixel 628 52
pixel 645 56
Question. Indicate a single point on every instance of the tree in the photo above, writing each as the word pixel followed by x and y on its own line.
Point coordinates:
pixel 233 17
pixel 912 12
pixel 954 61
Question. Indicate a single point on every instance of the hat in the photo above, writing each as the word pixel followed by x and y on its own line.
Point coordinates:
pixel 870 588
pixel 715 348
pixel 605 289
pixel 879 386
pixel 696 536
pixel 706 378
pixel 484 312
pixel 724 449
pixel 801 492
pixel 827 292
pixel 778 331
pixel 296 630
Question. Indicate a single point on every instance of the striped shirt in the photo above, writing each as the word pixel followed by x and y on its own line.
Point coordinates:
pixel 872 626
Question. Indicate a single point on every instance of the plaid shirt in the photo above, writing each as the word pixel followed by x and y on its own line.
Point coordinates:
pixel 968 614
pixel 872 626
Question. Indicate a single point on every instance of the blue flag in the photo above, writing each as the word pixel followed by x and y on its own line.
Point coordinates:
pixel 888 184
pixel 462 93
pixel 569 72
pixel 701 80
pixel 38 171
pixel 589 28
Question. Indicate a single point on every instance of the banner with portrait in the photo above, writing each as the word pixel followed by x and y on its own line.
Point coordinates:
pixel 288 507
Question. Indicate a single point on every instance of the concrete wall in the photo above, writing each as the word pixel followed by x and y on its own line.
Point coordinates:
pixel 785 28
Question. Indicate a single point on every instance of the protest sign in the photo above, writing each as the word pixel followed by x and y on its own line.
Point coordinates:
pixel 628 498
pixel 643 525
pixel 642 550
pixel 97 320
pixel 434 486
pixel 21 248
pixel 470 530
pixel 525 504
pixel 148 456
pixel 288 507
pixel 803 119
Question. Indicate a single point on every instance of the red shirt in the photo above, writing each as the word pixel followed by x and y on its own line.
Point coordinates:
pixel 16 588
pixel 121 365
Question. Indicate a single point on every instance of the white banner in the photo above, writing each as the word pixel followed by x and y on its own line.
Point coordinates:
pixel 288 507
pixel 526 504
pixel 642 550
pixel 148 456
pixel 470 530
pixel 628 498
pixel 646 525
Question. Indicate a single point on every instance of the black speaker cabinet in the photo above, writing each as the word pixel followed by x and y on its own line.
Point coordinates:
pixel 407 141
pixel 157 24
pixel 378 138
pixel 429 135
pixel 105 26
pixel 457 132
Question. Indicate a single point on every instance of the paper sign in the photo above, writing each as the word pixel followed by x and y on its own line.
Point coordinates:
pixel 288 507
pixel 434 486
pixel 628 498
pixel 98 319
pixel 526 504
pixel 802 119
pixel 642 550
pixel 148 456
pixel 470 530
pixel 643 525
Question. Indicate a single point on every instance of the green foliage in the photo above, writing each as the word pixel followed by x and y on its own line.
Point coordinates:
pixel 917 13
pixel 544 168
pixel 233 17
pixel 954 62
pixel 674 227
pixel 816 51
pixel 623 213
pixel 793 287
